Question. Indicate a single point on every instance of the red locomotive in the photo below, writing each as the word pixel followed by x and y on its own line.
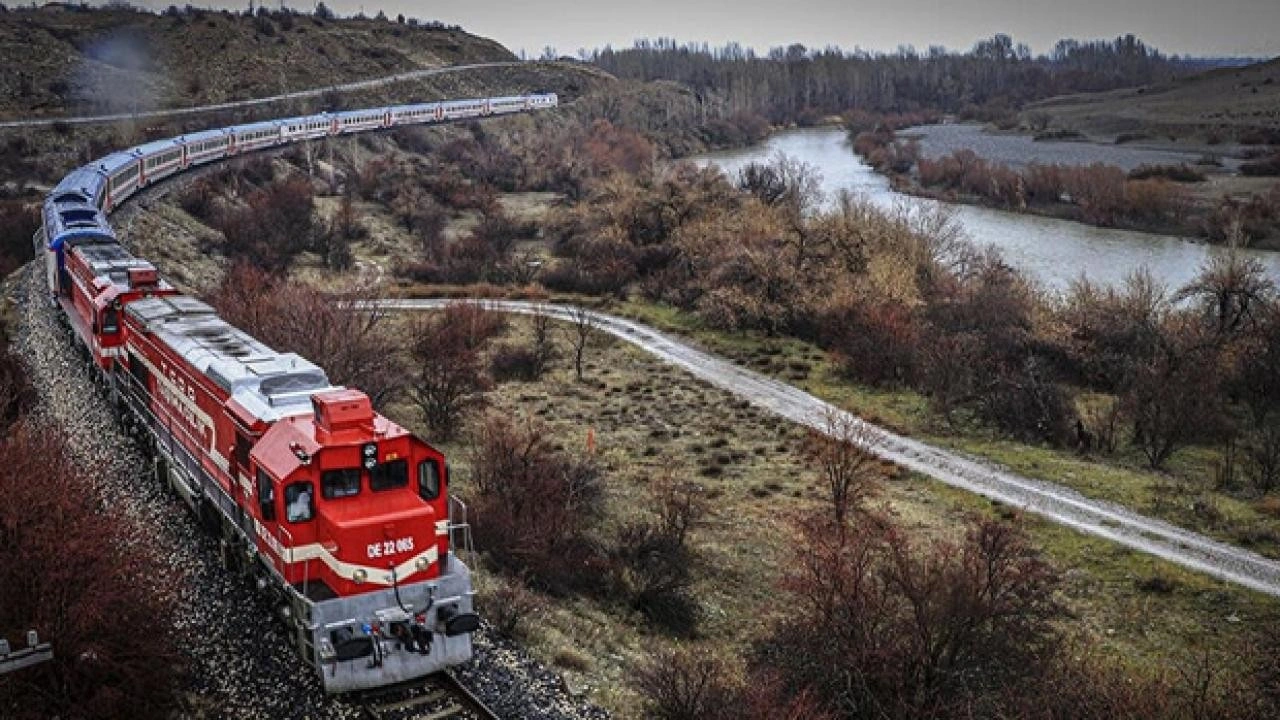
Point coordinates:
pixel 343 516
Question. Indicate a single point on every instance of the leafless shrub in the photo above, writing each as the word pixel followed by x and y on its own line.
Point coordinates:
pixel 448 379
pixel 582 333
pixel 685 684
pixel 842 454
pixel 337 331
pixel 89 602
pixel 651 560
pixel 534 504
pixel 508 605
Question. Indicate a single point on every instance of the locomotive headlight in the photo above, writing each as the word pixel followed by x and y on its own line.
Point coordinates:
pixel 359 576
pixel 422 563
pixel 370 450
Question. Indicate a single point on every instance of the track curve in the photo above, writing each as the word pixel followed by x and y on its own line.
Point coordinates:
pixel 1055 502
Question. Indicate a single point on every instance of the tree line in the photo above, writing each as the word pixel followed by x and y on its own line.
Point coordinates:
pixel 794 82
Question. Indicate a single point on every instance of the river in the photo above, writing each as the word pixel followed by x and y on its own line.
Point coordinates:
pixel 1056 252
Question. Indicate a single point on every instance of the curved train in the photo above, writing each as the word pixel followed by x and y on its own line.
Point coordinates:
pixel 343 517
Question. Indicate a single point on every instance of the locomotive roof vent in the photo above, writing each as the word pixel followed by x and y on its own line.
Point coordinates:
pixel 143 277
pixel 342 410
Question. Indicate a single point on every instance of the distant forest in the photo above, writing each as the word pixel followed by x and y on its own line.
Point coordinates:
pixel 996 75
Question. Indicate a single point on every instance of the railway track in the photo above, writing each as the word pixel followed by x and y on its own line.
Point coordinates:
pixel 438 697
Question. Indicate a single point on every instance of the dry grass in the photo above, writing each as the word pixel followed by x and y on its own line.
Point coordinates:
pixel 651 419
pixel 1218 104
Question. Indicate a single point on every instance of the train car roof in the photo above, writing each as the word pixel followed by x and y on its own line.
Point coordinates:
pixel 111 262
pixel 203 135
pixel 362 113
pixel 117 160
pixel 268 384
pixel 305 118
pixel 253 127
pixel 65 222
pixel 84 182
pixel 157 146
pixel 414 106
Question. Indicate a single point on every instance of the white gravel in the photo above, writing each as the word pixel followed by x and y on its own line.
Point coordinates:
pixel 1058 503
pixel 240 663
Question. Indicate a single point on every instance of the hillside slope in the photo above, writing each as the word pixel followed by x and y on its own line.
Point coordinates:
pixel 69 60
pixel 1228 104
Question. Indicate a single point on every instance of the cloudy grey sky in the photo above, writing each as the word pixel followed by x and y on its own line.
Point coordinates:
pixel 1202 27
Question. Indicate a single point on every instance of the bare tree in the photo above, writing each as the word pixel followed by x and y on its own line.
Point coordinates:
pixel 1230 291
pixel 338 330
pixel 842 453
pixel 544 349
pixel 449 378
pixel 583 332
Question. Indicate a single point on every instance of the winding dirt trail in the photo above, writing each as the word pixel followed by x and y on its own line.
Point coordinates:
pixel 1060 504
pixel 313 92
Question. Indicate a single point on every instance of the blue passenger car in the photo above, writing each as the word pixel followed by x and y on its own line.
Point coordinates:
pixel 66 225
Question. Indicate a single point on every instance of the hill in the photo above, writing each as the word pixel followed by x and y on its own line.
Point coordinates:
pixel 1239 104
pixel 80 60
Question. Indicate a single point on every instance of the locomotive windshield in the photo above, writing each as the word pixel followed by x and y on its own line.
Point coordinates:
pixel 340 483
pixel 389 475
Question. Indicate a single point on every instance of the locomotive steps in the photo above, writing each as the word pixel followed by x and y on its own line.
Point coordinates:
pixel 1055 502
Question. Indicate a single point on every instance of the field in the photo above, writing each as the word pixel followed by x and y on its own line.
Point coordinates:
pixel 1184 494
pixel 1222 106
pixel 650 420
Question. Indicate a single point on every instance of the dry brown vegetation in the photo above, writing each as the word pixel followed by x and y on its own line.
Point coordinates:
pixel 18 224
pixel 88 60
pixel 1097 194
pixel 326 328
pixel 71 570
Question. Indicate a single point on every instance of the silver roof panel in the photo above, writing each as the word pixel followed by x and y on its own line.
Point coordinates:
pixel 269 384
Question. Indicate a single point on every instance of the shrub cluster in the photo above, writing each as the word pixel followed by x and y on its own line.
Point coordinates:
pixel 18 224
pixel 1099 194
pixel 1267 167
pixel 70 570
pixel 534 505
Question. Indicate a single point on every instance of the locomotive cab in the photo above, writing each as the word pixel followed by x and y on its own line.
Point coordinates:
pixel 355 509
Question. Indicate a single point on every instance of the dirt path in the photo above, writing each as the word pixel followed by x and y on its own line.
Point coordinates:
pixel 1060 504
pixel 314 92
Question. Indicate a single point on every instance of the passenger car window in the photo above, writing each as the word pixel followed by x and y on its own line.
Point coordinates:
pixel 388 475
pixel 300 502
pixel 429 479
pixel 340 483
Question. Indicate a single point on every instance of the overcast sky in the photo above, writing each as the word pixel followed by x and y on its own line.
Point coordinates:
pixel 1200 27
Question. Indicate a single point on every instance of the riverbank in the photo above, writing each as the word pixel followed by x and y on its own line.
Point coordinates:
pixel 1153 190
pixel 1055 252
